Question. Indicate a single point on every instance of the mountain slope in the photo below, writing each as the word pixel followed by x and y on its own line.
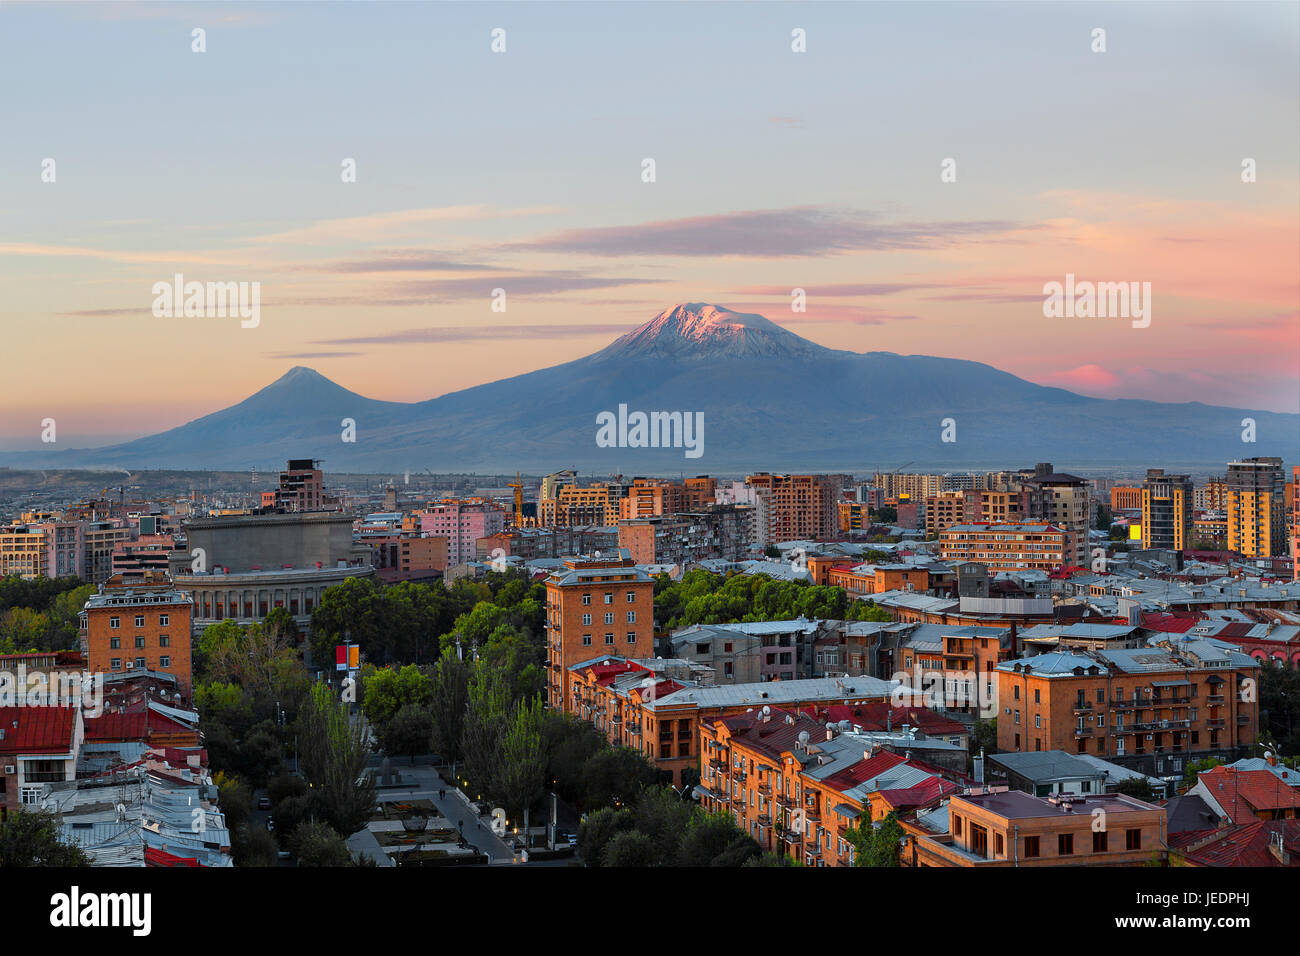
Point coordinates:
pixel 770 399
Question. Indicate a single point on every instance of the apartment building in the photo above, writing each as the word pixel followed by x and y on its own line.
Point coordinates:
pixel 1125 498
pixel 1065 502
pixel 301 487
pixel 595 607
pixel 1167 511
pixel 1011 828
pixel 1153 708
pixel 863 579
pixel 699 493
pixel 648 498
pixel 1211 496
pixel 1256 515
pixel 43 549
pixel 462 521
pixel 795 507
pixel 139 624
pixel 1007 547
pixel 797 785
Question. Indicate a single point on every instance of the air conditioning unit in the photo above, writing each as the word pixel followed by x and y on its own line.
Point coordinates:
pixel 1008 710
pixel 1149 737
pixel 10 768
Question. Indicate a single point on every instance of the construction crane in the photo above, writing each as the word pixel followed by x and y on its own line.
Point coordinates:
pixel 518 485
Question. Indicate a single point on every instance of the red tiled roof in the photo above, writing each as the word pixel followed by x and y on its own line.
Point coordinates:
pixel 1242 793
pixel 877 715
pixel 863 770
pixel 927 792
pixel 39 730
pixel 1168 623
pixel 1245 845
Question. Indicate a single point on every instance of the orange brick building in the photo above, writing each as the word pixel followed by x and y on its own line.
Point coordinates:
pixel 1123 498
pixel 1006 547
pixel 143 624
pixel 797 786
pixel 795 507
pixel 876 578
pixel 1011 828
pixel 1149 708
pixel 592 608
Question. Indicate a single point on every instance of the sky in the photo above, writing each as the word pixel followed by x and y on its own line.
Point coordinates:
pixel 523 170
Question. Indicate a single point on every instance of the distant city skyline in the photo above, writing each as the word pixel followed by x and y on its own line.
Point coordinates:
pixel 522 170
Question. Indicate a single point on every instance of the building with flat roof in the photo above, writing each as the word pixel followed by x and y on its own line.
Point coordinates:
pixel 1012 828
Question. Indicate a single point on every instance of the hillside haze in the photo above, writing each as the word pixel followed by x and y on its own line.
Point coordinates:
pixel 770 399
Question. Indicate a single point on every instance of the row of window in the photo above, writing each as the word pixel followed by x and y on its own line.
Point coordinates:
pixel 609 618
pixel 163 662
pixel 609 597
pixel 115 643
pixel 115 622
pixel 609 638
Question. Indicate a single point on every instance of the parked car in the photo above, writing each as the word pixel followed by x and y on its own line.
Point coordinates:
pixel 264 803
pixel 270 825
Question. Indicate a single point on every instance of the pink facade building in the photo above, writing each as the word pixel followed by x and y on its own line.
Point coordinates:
pixel 462 522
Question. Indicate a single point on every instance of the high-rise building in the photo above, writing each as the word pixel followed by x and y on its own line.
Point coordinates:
pixel 462 521
pixel 594 608
pixel 1064 500
pixel 1166 510
pixel 797 507
pixel 1256 518
pixel 302 487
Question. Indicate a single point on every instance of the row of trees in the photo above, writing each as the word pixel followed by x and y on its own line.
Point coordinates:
pixel 701 597
pixel 411 623
pixel 255 699
pixel 40 614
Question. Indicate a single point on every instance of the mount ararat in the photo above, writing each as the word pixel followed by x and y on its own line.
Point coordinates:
pixel 770 400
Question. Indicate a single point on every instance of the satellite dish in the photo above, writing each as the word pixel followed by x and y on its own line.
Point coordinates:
pixel 803 737
pixel 766 710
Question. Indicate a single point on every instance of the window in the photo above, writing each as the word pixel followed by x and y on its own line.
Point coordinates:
pixel 114 622
pixel 727 647
pixel 163 620
pixel 631 597
pixel 164 662
pixel 998 849
pixel 30 795
pixel 609 637
pixel 114 643
pixel 1038 720
pixel 1101 695
pixel 1132 839
pixel 139 642
pixel 1099 841
pixel 1016 695
pixel 586 620
pixel 609 597
pixel 139 620
pixel 956 826
pixel 164 640
pixel 631 637
pixel 1065 844
pixel 139 662
pixel 586 640
pixel 631 617
pixel 1037 696
pixel 586 599
pixel 1031 847
pixel 116 663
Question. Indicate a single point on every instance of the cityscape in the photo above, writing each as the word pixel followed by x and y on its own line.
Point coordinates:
pixel 562 437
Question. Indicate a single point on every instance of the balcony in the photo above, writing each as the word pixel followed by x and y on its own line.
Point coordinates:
pixel 1080 732
pixel 1124 704
pixel 1083 707
pixel 764 788
pixel 1217 724
pixel 1243 718
pixel 789 836
pixel 43 776
pixel 1214 700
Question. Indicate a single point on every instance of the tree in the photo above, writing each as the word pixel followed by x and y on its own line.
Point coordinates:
pixel 772 551
pixel 487 707
pixel 631 848
pixel 616 775
pixel 986 736
pixel 316 844
pixel 388 690
pixel 253 846
pixel 235 800
pixel 1194 768
pixel 409 732
pixel 876 846
pixel 1139 787
pixel 34 838
pixel 520 779
pixel 335 747
pixel 662 816
pixel 449 698
pixel 713 839
pixel 598 828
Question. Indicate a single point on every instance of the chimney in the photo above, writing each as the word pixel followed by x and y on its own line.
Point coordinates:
pixel 1015 642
